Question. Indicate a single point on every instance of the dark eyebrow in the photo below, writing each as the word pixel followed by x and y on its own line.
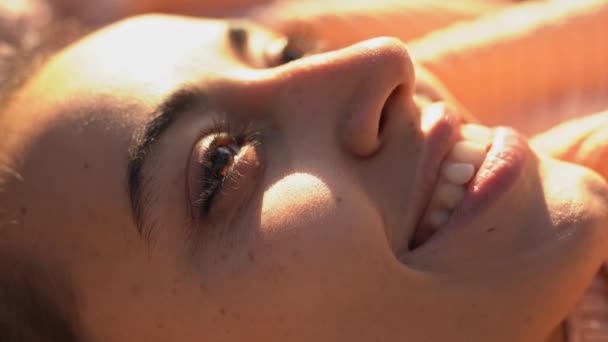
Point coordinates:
pixel 144 142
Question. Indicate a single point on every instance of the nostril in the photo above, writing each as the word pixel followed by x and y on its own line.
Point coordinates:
pixel 388 108
pixel 382 121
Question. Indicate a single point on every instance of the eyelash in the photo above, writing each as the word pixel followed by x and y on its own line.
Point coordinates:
pixel 225 135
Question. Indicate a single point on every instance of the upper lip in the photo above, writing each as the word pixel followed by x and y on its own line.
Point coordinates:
pixel 439 139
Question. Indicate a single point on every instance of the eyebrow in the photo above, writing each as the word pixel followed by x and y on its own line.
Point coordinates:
pixel 144 145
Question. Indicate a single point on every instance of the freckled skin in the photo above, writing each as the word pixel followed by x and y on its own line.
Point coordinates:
pixel 311 256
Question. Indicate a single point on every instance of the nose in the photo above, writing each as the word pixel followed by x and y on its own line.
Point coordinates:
pixel 346 92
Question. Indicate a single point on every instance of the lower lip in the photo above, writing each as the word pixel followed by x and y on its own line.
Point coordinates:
pixel 502 166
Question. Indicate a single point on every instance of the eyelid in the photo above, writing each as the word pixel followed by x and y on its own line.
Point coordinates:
pixel 237 186
pixel 241 172
pixel 210 178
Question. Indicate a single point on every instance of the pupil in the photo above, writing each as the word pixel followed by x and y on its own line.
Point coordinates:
pixel 221 160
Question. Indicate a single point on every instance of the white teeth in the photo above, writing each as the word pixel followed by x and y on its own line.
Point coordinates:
pixel 449 195
pixel 437 218
pixel 468 152
pixel 457 170
pixel 458 173
pixel 477 133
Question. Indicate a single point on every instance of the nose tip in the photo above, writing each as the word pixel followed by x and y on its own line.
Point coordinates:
pixel 387 77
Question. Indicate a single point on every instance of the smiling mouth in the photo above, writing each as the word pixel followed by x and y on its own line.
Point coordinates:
pixel 463 167
pixel 478 166
pixel 452 178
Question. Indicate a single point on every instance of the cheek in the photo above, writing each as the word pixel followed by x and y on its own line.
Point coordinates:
pixel 296 200
pixel 320 228
pixel 303 209
pixel 314 251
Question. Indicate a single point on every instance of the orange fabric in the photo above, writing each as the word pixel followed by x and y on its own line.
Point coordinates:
pixel 505 62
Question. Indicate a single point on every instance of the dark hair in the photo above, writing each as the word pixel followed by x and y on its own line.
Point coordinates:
pixel 35 305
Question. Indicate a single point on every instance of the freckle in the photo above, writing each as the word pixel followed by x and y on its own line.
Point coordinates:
pixel 202 287
pixel 85 165
pixel 224 257
pixel 251 256
pixel 339 199
pixel 174 291
pixel 23 211
pixel 159 325
pixel 491 229
pixel 222 311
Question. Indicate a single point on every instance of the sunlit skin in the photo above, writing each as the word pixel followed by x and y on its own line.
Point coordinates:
pixel 309 246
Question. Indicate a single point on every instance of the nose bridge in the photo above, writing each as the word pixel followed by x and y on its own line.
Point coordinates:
pixel 339 96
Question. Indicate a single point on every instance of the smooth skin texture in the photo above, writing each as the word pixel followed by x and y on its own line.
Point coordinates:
pixel 310 245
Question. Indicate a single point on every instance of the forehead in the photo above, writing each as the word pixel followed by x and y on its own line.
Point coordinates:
pixel 143 58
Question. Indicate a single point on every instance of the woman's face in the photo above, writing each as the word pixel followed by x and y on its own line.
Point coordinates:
pixel 276 203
